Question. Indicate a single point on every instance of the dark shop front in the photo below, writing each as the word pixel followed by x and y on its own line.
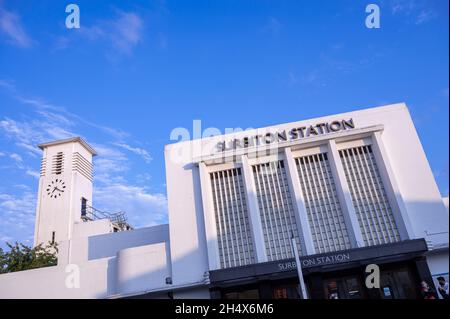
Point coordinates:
pixel 337 275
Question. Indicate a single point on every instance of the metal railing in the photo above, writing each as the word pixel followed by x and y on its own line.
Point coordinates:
pixel 433 242
pixel 119 219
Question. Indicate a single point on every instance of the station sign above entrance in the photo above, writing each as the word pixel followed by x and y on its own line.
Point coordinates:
pixel 293 134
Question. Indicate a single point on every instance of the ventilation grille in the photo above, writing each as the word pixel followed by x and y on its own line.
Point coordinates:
pixel 324 212
pixel 233 227
pixel 43 167
pixel 82 166
pixel 369 196
pixel 276 210
pixel 58 163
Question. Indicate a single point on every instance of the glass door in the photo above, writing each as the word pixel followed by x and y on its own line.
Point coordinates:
pixel 348 287
pixel 287 291
pixel 398 284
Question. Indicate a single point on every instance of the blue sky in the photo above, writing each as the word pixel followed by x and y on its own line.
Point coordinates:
pixel 135 70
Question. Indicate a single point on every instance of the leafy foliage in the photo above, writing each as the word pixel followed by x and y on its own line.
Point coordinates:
pixel 22 257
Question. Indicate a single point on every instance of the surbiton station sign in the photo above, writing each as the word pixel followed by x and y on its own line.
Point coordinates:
pixel 293 134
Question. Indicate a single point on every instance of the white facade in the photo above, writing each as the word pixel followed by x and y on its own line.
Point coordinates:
pixel 340 182
pixel 106 265
pixel 373 179
pixel 65 178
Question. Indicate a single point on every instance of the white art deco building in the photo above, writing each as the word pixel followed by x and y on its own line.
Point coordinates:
pixel 353 189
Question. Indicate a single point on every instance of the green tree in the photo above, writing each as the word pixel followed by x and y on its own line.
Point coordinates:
pixel 22 257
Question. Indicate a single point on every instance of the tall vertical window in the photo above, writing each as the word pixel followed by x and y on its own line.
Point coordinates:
pixel 276 210
pixel 324 212
pixel 58 163
pixel 369 196
pixel 83 207
pixel 233 227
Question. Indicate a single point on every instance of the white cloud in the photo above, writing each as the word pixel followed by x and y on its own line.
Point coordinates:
pixel 16 157
pixel 403 6
pixel 20 164
pixel 57 133
pixel 414 11
pixel 127 31
pixel 106 151
pixel 28 134
pixel 123 33
pixel 45 122
pixel 21 133
pixel 17 216
pixel 60 116
pixel 139 151
pixel 142 207
pixel 54 123
pixel 11 26
pixel 425 16
pixel 56 118
pixel 32 173
pixel 108 164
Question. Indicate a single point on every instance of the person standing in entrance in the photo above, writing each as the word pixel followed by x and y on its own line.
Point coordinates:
pixel 443 287
pixel 426 291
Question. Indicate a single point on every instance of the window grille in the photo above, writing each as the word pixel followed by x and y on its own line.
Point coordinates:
pixel 233 227
pixel 324 212
pixel 276 210
pixel 369 196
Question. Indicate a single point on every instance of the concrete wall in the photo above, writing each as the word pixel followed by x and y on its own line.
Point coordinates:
pixel 96 227
pixel 142 268
pixel 51 282
pixel 108 264
pixel 187 235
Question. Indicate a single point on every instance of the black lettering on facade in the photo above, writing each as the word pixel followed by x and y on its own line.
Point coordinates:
pixel 320 128
pixel 302 131
pixel 312 131
pixel 284 136
pixel 294 134
pixel 348 124
pixel 269 138
pixel 335 126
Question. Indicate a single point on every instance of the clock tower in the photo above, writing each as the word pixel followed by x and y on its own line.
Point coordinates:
pixel 65 188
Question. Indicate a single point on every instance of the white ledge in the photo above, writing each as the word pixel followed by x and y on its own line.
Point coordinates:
pixel 338 136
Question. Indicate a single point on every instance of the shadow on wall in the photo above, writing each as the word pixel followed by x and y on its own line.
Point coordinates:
pixel 188 269
pixel 150 283
pixel 107 245
pixel 425 217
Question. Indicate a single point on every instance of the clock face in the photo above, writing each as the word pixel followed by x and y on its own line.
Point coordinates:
pixel 56 188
